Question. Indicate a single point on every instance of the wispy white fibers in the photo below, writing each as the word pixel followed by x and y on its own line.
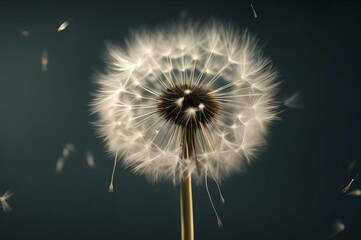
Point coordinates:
pixel 225 64
pixel 3 200
pixel 356 192
pixel 338 228
pixel 294 100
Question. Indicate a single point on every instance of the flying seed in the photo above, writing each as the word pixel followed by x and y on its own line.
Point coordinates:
pixel 3 199
pixel 294 101
pixel 352 165
pixel 345 189
pixel 356 192
pixel 60 164
pixel 338 227
pixel 63 26
pixel 90 159
pixel 254 12
pixel 67 149
pixel 44 61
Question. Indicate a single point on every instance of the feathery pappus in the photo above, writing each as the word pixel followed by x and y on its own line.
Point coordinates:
pixel 338 228
pixel 189 87
pixel 294 100
pixel 3 200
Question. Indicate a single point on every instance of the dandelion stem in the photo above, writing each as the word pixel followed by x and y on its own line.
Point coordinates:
pixel 186 205
pixel 186 202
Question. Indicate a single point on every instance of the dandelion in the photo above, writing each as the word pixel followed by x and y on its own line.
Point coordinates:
pixel 186 101
pixel 3 199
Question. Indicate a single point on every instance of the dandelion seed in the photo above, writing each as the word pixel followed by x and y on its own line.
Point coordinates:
pixel 207 100
pixel 294 101
pixel 67 149
pixel 356 193
pixel 63 26
pixel 90 159
pixel 221 198
pixel 24 33
pixel 44 61
pixel 245 88
pixel 345 190
pixel 111 186
pixel 60 164
pixel 3 199
pixel 338 228
pixel 219 221
pixel 254 12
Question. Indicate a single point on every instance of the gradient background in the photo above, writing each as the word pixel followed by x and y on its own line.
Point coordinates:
pixel 291 192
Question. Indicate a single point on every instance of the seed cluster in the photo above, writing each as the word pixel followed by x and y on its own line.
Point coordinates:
pixel 188 106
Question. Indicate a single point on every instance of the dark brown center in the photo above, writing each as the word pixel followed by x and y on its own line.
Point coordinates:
pixel 188 106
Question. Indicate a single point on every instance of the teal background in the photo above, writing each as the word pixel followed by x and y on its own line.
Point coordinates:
pixel 291 192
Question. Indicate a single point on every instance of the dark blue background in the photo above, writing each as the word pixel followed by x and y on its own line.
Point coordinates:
pixel 291 192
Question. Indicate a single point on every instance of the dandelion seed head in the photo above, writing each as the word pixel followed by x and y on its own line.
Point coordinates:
pixel 209 78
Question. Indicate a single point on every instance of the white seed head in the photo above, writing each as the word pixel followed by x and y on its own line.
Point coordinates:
pixel 209 76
